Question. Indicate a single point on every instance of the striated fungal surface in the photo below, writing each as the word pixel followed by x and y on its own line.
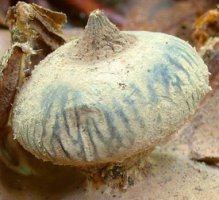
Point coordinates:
pixel 108 95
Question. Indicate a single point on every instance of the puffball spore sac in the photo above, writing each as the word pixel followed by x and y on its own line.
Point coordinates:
pixel 108 95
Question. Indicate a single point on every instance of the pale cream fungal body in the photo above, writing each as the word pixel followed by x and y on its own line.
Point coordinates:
pixel 105 101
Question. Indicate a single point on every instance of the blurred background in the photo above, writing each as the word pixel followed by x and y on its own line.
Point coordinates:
pixel 171 16
pixel 174 17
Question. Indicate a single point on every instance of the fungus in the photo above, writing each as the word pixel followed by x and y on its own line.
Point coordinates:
pixel 102 102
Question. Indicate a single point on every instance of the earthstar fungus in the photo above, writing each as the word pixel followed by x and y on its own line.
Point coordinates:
pixel 107 96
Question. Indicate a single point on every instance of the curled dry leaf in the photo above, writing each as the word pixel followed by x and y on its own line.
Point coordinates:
pixel 206 26
pixel 13 72
pixel 38 26
pixel 35 33
pixel 12 69
pixel 30 21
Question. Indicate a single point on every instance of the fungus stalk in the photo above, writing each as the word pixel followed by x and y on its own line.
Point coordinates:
pixel 101 38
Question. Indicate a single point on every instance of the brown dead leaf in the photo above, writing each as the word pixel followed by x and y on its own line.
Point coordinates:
pixel 35 33
pixel 38 26
pixel 12 67
pixel 206 26
pixel 32 23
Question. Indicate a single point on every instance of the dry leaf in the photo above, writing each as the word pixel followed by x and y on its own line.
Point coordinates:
pixel 35 33
pixel 32 23
pixel 206 26
pixel 12 67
